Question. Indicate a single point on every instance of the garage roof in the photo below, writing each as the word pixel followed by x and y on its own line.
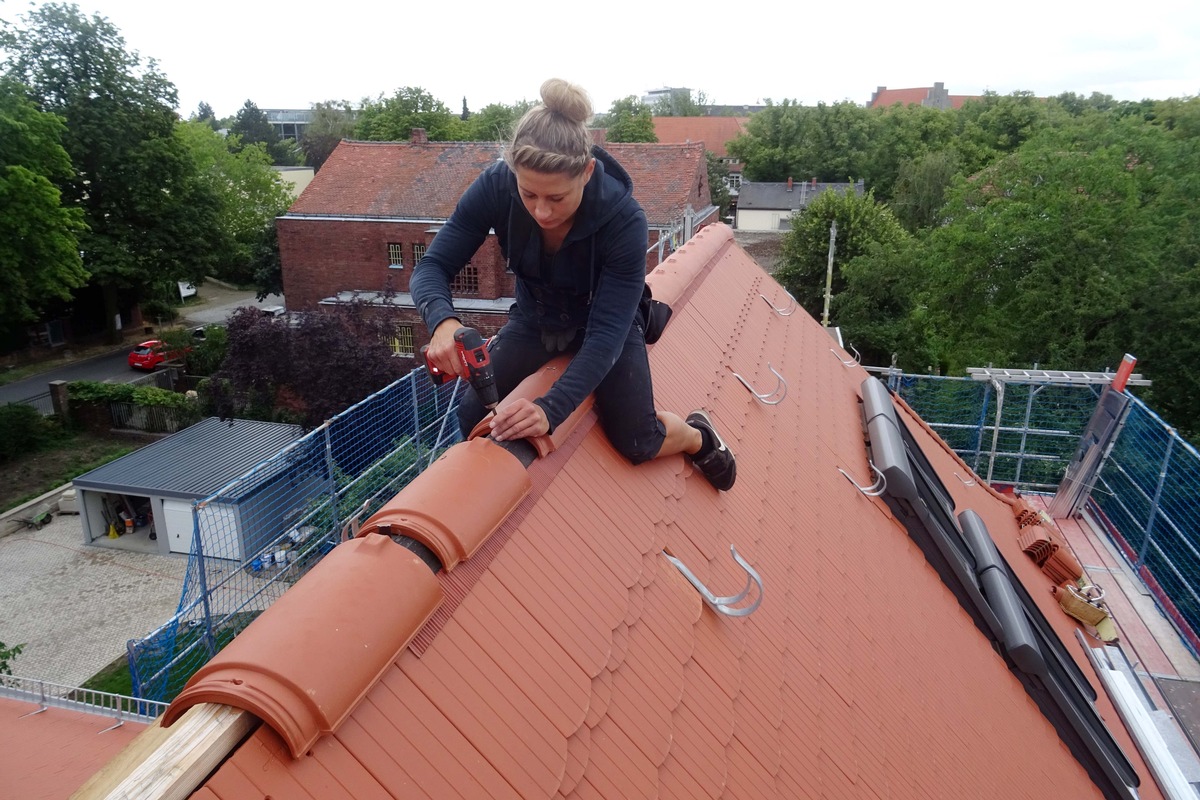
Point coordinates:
pixel 195 462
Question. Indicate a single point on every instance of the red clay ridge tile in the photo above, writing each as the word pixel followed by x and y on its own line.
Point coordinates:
pixel 672 278
pixel 533 387
pixel 359 607
pixel 458 502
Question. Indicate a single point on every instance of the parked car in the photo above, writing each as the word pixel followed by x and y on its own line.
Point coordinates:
pixel 151 353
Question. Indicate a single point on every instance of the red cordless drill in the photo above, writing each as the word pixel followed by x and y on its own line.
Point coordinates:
pixel 473 354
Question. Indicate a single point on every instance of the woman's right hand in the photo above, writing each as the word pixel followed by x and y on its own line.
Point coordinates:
pixel 441 352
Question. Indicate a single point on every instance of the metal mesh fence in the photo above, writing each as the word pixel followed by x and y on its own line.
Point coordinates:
pixel 259 534
pixel 1021 435
pixel 1148 496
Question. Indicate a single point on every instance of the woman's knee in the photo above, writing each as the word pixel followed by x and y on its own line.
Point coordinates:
pixel 637 447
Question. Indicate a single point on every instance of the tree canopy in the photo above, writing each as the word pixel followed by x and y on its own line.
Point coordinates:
pixel 630 120
pixel 332 121
pixel 392 119
pixel 145 215
pixel 252 127
pixel 39 247
pixel 1061 233
pixel 304 369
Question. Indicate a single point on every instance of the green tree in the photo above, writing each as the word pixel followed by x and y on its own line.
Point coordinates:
pixel 265 261
pixel 827 142
pixel 717 174
pixel 304 370
pixel 249 195
pixel 332 121
pixel 495 122
pixel 204 113
pixel 900 136
pixel 251 127
pixel 7 656
pixel 39 248
pixel 392 119
pixel 996 125
pixel 921 188
pixel 148 219
pixel 630 120
pixel 1050 253
pixel 804 253
pixel 681 103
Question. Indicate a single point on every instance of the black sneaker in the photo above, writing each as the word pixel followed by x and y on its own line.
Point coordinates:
pixel 719 465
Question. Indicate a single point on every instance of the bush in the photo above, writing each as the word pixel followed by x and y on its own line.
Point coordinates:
pixel 24 430
pixel 100 393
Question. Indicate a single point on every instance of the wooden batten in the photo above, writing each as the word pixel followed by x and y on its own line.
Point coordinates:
pixel 171 763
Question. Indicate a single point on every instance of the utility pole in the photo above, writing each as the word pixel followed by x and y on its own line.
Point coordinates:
pixel 829 273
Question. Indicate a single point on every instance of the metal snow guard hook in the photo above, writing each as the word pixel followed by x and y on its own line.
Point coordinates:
pixel 721 604
pixel 765 397
pixel 875 489
pixel 853 362
pixel 783 312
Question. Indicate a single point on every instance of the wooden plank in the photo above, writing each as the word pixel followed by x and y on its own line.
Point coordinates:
pixel 170 763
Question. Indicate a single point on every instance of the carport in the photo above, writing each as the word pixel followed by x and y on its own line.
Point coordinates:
pixel 143 501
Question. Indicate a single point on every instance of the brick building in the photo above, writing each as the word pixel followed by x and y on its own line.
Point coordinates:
pixel 360 227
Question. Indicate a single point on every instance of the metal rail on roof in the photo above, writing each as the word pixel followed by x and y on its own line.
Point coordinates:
pixel 1070 377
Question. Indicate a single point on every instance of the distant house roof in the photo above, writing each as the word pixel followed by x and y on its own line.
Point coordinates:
pixel 714 132
pixel 195 462
pixel 792 196
pixel 565 648
pixel 401 180
pixel 933 96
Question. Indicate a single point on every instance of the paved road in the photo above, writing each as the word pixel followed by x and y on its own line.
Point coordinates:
pixel 218 304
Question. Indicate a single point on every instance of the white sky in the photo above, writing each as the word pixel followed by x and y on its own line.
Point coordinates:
pixel 291 55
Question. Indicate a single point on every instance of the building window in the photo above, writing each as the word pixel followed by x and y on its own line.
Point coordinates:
pixel 395 255
pixel 466 282
pixel 418 253
pixel 402 342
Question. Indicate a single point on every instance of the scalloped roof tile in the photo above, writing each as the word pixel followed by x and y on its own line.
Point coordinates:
pixel 571 659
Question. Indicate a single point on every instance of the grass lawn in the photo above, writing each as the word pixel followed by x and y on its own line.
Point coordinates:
pixel 35 474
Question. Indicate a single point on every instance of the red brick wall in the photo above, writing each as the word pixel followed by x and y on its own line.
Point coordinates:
pixel 323 257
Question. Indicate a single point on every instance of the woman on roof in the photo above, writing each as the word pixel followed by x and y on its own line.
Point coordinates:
pixel 575 238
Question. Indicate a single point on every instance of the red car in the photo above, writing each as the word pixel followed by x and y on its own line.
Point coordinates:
pixel 152 352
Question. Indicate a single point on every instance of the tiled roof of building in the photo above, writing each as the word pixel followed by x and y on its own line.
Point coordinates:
pixel 560 653
pixel 758 196
pixel 714 132
pixel 399 180
pixel 47 754
pixel 904 97
pixel 924 95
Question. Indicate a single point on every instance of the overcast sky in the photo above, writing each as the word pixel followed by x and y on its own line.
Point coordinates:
pixel 291 55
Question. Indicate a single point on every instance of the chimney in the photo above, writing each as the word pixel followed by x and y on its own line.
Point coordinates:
pixel 814 181
pixel 419 137
pixel 789 184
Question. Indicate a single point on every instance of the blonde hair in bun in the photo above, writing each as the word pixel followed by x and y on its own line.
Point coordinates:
pixel 553 137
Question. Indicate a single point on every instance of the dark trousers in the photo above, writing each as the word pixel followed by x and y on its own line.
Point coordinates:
pixel 624 398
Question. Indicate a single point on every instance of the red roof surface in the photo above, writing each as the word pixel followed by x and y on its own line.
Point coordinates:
pixel 714 132
pixel 567 657
pixel 399 180
pixel 905 97
pixel 49 754
pixel 916 96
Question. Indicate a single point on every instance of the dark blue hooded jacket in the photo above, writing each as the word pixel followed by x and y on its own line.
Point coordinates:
pixel 594 282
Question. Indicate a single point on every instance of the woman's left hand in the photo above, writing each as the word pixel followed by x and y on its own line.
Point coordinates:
pixel 522 419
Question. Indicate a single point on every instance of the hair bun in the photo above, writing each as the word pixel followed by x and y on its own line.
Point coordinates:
pixel 567 99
